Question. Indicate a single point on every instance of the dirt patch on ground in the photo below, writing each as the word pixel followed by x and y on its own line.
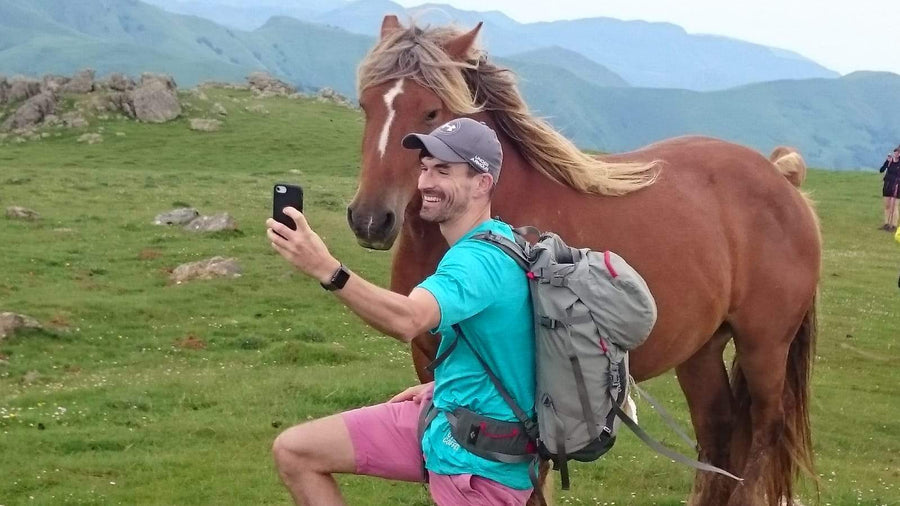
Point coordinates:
pixel 149 254
pixel 191 342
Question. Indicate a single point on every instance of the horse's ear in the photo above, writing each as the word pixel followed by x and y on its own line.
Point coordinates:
pixel 458 47
pixel 389 25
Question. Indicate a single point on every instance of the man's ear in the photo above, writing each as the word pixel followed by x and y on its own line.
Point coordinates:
pixel 485 183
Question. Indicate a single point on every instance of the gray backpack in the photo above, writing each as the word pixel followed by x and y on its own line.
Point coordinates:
pixel 590 309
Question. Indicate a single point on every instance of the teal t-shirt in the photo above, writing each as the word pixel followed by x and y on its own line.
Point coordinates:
pixel 484 291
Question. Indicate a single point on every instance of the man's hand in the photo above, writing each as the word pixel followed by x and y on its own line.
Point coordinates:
pixel 303 248
pixel 415 393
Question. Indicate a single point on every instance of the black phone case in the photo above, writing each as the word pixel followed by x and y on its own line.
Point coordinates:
pixel 291 197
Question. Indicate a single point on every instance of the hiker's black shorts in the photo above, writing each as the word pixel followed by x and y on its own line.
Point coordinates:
pixel 891 188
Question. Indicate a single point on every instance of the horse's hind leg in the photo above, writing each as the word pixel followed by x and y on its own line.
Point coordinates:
pixel 704 380
pixel 769 384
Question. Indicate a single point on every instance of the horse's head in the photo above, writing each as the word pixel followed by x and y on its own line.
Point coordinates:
pixel 398 92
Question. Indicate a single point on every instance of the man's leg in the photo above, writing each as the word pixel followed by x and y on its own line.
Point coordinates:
pixel 306 455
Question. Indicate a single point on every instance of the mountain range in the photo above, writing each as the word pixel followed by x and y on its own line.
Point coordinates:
pixel 608 84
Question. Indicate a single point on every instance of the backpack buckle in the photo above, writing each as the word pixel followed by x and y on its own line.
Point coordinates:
pixel 548 322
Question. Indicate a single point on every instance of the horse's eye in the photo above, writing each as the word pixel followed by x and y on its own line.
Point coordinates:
pixel 432 115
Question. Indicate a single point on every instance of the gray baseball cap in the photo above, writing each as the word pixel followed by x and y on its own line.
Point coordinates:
pixel 462 140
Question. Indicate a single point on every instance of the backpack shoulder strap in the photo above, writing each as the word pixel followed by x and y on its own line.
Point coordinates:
pixel 529 424
pixel 514 249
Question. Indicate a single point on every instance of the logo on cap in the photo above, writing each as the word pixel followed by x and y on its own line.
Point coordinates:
pixel 449 128
pixel 479 161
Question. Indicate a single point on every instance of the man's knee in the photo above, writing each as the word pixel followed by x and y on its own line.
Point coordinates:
pixel 294 448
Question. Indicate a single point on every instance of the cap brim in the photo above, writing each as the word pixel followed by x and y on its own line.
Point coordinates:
pixel 433 145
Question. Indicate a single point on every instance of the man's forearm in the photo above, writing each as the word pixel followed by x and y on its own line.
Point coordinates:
pixel 387 311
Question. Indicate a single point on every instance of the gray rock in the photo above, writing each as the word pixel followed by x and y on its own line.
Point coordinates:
pixel 262 82
pixel 119 82
pixel 166 80
pixel 123 102
pixel 219 109
pixel 155 100
pixel 90 138
pixel 4 90
pixel 11 322
pixel 205 125
pixel 21 88
pixel 31 112
pixel 81 82
pixel 180 216
pixel 214 223
pixel 329 95
pixel 53 83
pixel 215 267
pixel 257 108
pixel 74 119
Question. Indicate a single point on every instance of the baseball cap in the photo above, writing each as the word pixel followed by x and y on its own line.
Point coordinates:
pixel 462 140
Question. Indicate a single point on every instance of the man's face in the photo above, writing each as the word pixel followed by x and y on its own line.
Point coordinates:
pixel 446 189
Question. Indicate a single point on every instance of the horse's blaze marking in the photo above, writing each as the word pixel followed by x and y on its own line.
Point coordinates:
pixel 389 103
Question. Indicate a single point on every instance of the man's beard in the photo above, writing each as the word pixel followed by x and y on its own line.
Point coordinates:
pixel 442 212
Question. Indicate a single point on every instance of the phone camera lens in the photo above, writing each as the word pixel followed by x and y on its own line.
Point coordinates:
pixel 280 189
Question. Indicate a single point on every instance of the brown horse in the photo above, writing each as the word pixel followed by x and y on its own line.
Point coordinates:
pixel 730 249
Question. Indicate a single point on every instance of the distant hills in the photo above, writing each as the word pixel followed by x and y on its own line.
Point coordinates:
pixel 589 77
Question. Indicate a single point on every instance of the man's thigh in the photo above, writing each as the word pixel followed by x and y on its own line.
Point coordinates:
pixel 385 440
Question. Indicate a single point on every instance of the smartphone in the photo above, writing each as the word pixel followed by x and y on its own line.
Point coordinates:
pixel 286 195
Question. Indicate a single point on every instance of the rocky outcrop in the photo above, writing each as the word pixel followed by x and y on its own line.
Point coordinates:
pixel 155 100
pixel 11 322
pixel 22 213
pixel 215 267
pixel 32 112
pixel 53 83
pixel 119 82
pixel 90 138
pixel 264 84
pixel 180 216
pixel 329 95
pixel 205 125
pixel 215 223
pixel 4 90
pixel 21 88
pixel 81 82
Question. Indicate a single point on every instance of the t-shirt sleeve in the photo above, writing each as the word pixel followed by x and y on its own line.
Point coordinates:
pixel 466 282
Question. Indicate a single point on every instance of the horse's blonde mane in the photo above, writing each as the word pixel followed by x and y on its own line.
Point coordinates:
pixel 476 85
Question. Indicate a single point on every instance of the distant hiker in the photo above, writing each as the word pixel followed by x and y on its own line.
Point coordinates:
pixel 891 189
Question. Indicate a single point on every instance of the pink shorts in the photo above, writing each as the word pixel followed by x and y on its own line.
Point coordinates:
pixel 385 444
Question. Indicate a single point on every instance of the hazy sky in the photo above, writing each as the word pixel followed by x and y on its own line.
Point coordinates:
pixel 843 36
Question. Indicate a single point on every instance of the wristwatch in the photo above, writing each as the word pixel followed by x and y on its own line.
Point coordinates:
pixel 338 279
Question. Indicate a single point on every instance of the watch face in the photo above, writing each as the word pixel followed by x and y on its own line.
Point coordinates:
pixel 340 278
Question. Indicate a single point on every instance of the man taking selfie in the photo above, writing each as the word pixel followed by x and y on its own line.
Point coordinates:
pixel 477 289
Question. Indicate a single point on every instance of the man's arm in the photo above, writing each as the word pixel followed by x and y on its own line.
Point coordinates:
pixel 400 316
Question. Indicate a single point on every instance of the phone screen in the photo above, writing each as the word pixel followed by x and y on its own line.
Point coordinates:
pixel 286 195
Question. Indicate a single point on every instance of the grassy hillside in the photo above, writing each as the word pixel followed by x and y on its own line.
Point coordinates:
pixel 144 392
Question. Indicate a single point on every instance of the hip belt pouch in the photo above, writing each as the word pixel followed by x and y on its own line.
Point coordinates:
pixel 489 438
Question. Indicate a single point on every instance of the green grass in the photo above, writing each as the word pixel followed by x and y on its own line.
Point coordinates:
pixel 105 405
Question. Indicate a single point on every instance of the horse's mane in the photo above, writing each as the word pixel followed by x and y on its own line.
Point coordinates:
pixel 475 85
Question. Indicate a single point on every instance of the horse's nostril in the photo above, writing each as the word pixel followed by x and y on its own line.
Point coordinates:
pixel 389 221
pixel 350 215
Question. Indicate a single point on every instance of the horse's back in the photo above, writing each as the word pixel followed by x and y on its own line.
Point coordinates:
pixel 719 219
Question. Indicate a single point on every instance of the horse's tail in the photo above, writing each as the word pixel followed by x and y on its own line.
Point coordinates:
pixel 793 452
pixel 790 164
